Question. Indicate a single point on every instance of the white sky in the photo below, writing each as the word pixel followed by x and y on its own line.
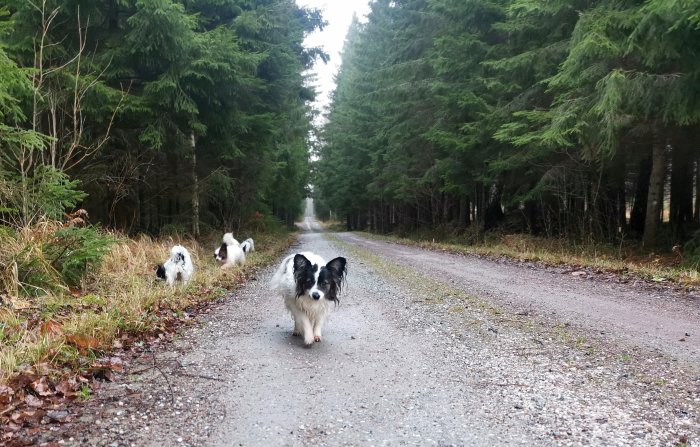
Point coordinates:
pixel 338 14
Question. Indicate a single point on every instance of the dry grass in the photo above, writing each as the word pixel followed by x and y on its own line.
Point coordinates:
pixel 334 225
pixel 600 257
pixel 120 298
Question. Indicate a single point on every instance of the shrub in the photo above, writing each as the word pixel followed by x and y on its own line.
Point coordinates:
pixel 46 257
pixel 44 195
pixel 74 251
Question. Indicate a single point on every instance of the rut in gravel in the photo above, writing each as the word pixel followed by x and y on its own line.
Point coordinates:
pixel 412 356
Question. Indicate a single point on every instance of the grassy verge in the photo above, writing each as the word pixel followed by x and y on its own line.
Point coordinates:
pixel 66 331
pixel 333 225
pixel 600 258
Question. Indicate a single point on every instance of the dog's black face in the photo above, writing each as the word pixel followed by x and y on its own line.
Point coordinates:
pixel 222 253
pixel 160 271
pixel 325 282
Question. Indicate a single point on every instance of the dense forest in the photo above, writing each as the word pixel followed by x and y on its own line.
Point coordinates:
pixel 574 119
pixel 155 115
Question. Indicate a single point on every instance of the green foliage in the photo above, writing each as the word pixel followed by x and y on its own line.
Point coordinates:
pixel 521 113
pixel 111 93
pixel 44 195
pixel 75 252
pixel 691 250
pixel 47 258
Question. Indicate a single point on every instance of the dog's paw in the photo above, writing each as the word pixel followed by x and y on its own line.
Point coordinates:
pixel 296 333
pixel 308 341
pixel 317 338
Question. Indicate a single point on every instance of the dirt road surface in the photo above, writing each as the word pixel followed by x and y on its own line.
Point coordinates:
pixel 425 348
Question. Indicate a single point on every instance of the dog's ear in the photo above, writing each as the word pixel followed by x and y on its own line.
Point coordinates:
pixel 301 263
pixel 303 276
pixel 223 252
pixel 337 266
pixel 338 269
pixel 160 271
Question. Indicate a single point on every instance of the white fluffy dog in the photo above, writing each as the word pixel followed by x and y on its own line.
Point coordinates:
pixel 178 267
pixel 309 285
pixel 230 252
pixel 248 245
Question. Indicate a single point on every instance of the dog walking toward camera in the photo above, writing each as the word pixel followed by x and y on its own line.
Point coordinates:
pixel 230 253
pixel 309 285
pixel 178 268
pixel 248 245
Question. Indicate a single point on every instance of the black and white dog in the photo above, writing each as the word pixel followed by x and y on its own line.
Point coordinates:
pixel 230 252
pixel 178 267
pixel 248 245
pixel 309 285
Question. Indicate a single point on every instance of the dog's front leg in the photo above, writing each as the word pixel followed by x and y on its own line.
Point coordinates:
pixel 318 326
pixel 305 326
pixel 297 326
pixel 302 325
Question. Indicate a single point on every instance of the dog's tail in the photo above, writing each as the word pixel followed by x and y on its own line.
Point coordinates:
pixel 277 281
pixel 229 239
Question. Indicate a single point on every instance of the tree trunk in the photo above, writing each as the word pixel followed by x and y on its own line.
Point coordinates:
pixel 639 209
pixel 144 208
pixel 195 190
pixel 655 198
pixel 696 218
pixel 681 184
pixel 463 213
pixel 493 214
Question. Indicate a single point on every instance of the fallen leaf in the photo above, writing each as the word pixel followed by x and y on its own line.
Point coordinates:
pixel 52 328
pixel 75 293
pixel 6 394
pixel 33 401
pixel 111 363
pixel 67 387
pixel 42 387
pixel 117 364
pixel 21 380
pixel 83 342
pixel 27 416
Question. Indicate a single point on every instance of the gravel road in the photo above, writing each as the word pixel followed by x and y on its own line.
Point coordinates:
pixel 425 348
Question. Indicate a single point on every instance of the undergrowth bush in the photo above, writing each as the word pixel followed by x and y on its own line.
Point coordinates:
pixel 75 251
pixel 691 250
pixel 46 257
pixel 46 194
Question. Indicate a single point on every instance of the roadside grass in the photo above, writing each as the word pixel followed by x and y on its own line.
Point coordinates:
pixel 333 225
pixel 598 257
pixel 116 303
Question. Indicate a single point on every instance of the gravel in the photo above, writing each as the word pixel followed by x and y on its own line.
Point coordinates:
pixel 414 355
